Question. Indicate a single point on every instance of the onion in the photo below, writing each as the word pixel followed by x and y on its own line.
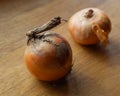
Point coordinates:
pixel 48 55
pixel 90 26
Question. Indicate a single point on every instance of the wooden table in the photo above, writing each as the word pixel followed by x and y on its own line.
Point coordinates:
pixel 96 70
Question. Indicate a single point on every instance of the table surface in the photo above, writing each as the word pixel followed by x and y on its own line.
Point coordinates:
pixel 96 70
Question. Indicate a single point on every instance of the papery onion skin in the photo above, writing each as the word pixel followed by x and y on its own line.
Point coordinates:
pixel 80 26
pixel 49 58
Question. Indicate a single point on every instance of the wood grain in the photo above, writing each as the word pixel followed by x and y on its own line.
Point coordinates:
pixel 96 70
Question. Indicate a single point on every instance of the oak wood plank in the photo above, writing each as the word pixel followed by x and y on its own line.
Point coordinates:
pixel 96 70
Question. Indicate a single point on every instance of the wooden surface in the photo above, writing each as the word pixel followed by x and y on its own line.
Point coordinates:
pixel 96 70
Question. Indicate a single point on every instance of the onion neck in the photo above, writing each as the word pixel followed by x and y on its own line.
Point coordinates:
pixel 39 31
pixel 101 34
pixel 89 13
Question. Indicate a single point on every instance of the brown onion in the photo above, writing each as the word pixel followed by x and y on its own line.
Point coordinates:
pixel 90 26
pixel 48 55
